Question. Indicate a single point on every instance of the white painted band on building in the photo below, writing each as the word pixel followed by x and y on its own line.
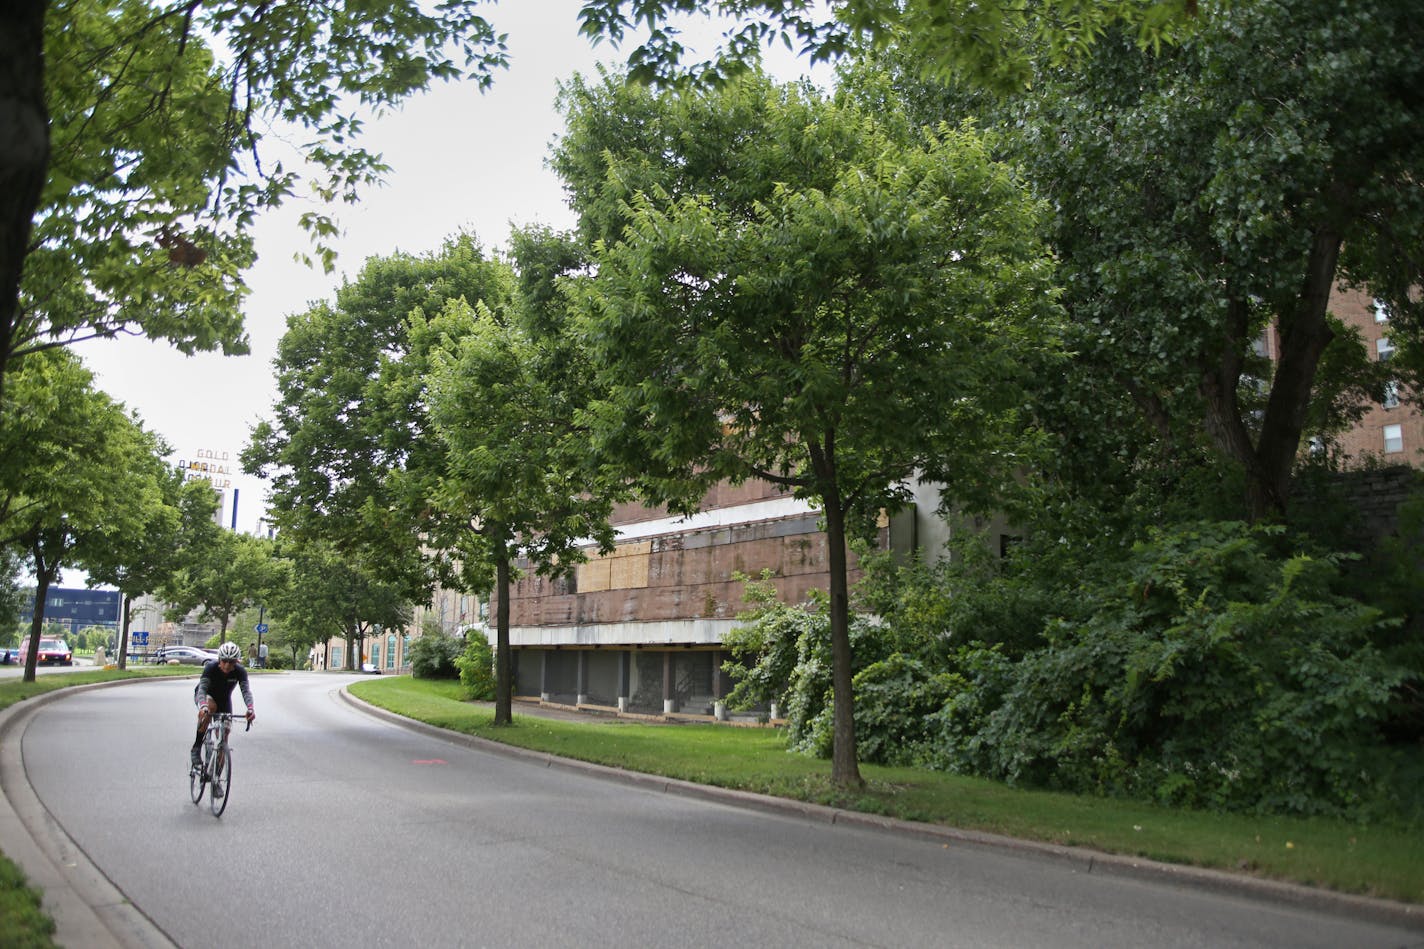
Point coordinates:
pixel 718 517
pixel 709 632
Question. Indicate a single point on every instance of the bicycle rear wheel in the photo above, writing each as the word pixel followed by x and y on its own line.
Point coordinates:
pixel 222 782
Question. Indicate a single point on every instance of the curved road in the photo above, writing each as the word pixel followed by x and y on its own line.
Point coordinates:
pixel 348 830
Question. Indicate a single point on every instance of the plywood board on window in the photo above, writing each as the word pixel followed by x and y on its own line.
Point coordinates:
pixel 625 568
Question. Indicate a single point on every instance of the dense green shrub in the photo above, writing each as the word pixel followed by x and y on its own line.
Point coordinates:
pixel 783 654
pixel 1211 673
pixel 476 665
pixel 895 699
pixel 432 656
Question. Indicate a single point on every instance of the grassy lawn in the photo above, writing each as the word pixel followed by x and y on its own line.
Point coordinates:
pixel 1383 860
pixel 21 919
pixel 13 690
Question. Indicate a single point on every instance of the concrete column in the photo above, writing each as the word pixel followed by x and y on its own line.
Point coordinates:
pixel 669 703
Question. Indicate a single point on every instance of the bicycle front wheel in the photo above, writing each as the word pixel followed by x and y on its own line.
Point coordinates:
pixel 197 777
pixel 222 782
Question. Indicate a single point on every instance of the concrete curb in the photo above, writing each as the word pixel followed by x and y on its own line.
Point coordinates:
pixel 1387 912
pixel 87 909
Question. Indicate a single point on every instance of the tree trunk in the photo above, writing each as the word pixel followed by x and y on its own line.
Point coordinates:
pixel 845 767
pixel 1269 463
pixel 1219 386
pixel 44 576
pixel 503 687
pixel 123 643
pixel 1303 341
pixel 24 152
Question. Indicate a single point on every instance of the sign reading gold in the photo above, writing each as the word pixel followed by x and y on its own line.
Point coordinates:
pixel 212 466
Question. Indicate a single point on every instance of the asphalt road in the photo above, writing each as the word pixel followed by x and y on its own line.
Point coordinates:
pixel 346 830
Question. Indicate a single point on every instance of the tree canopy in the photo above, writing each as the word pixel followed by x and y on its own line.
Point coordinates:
pixel 234 571
pixel 350 450
pixel 994 42
pixel 1207 199
pixel 520 480
pixel 788 287
pixel 137 155
pixel 79 479
pixel 328 595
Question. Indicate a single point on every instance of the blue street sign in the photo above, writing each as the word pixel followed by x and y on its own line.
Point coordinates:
pixel 261 627
pixel 139 636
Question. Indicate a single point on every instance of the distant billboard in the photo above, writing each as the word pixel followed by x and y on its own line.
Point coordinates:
pixel 210 464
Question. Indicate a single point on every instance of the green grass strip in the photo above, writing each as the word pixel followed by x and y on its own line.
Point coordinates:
pixel 1383 860
pixel 14 690
pixel 23 923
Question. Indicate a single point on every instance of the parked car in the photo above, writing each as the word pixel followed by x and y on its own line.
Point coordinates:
pixel 370 668
pixel 53 652
pixel 183 655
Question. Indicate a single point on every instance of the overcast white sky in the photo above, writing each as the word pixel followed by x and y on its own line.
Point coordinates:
pixel 460 160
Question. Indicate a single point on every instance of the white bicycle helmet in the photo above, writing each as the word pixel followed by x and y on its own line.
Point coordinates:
pixel 229 651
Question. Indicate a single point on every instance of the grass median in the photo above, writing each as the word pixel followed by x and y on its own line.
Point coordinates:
pixel 1380 859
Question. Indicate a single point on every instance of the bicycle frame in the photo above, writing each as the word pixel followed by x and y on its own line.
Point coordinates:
pixel 216 769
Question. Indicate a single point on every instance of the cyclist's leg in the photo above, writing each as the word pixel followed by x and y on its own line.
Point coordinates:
pixel 204 713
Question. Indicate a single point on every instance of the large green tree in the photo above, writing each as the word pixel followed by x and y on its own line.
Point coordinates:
pixel 519 481
pixel 1214 194
pixel 1207 198
pixel 176 524
pixel 330 595
pixel 789 287
pixel 350 449
pixel 134 157
pixel 226 576
pixel 80 477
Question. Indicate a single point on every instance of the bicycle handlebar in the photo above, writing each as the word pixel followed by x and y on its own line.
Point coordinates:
pixel 226 718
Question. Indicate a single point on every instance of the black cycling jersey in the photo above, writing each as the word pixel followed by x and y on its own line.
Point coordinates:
pixel 216 684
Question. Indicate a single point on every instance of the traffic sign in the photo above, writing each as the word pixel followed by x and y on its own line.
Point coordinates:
pixel 261 627
pixel 139 637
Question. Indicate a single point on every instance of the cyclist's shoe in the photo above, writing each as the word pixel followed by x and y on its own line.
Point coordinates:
pixel 216 790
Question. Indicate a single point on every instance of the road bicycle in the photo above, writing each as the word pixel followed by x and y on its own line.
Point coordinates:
pixel 215 773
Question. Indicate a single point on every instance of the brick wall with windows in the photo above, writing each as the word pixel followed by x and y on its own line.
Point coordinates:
pixel 1393 431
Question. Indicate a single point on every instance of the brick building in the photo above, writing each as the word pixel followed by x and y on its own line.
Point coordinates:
pixel 641 628
pixel 1392 432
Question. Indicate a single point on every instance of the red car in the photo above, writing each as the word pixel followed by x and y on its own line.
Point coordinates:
pixel 53 652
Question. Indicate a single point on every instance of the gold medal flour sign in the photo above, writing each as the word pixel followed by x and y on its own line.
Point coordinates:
pixel 209 464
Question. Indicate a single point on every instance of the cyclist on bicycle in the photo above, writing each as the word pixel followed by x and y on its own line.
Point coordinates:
pixel 213 693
